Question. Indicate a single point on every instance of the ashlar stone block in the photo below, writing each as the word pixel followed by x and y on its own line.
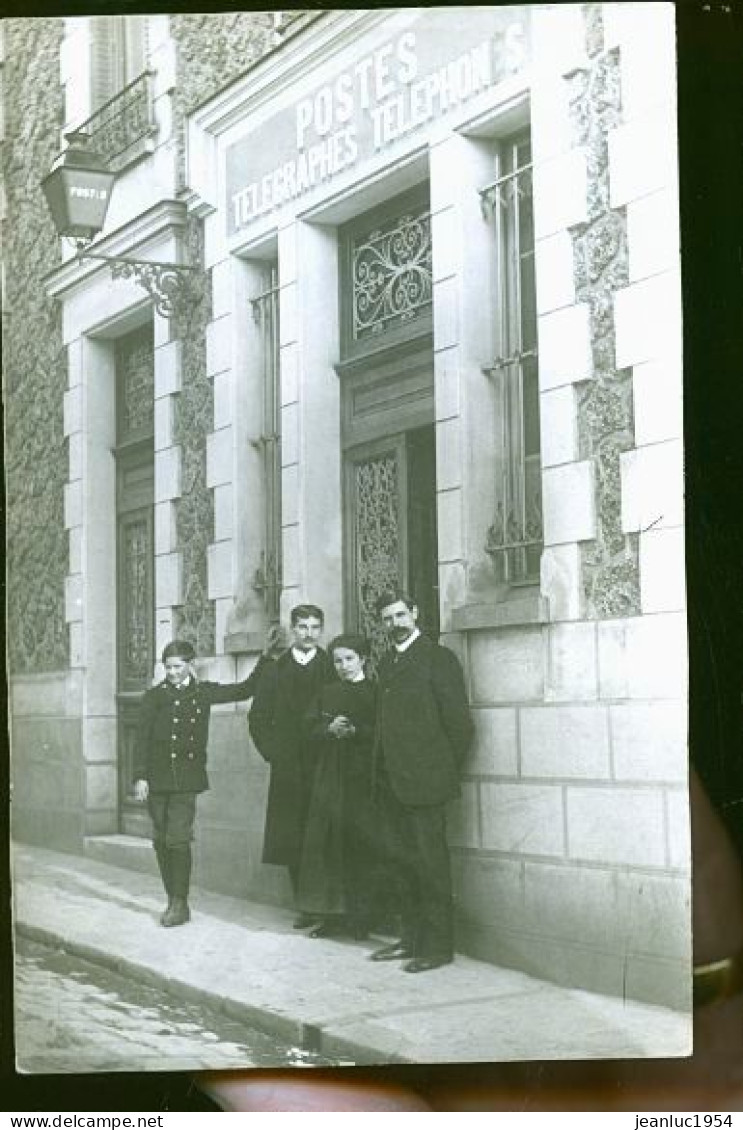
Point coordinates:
pixel 647 319
pixel 555 272
pixel 654 914
pixel 652 487
pixel 506 666
pixel 218 346
pixel 572 665
pixel 658 400
pixel 561 581
pixel 219 569
pixel 495 750
pixel 559 426
pixel 616 825
pixel 678 833
pixel 522 819
pixel 219 457
pixel 649 741
pixel 568 503
pixel 572 903
pixel 560 192
pixel 565 346
pixel 564 741
pixel 662 571
pixel 168 368
pixel 642 156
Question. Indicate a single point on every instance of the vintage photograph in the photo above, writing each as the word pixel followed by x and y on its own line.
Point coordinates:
pixel 346 621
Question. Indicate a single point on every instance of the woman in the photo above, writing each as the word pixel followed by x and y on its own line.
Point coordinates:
pixel 338 857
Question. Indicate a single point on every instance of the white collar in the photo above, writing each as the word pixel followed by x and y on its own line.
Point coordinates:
pixel 357 678
pixel 400 647
pixel 303 657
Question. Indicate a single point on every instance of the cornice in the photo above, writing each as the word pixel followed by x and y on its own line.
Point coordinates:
pixel 167 217
pixel 329 33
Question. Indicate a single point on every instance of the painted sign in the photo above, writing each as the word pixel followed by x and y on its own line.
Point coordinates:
pixel 433 66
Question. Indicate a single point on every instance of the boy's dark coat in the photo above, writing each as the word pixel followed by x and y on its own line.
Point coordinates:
pixel 173 731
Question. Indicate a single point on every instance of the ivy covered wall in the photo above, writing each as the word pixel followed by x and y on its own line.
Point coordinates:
pixel 34 359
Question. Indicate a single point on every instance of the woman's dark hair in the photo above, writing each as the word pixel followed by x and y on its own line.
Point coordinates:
pixel 303 611
pixel 352 642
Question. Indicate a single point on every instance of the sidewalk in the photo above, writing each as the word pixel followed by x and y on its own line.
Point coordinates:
pixel 320 994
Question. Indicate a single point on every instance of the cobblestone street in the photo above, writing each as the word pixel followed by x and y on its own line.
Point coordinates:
pixel 73 1015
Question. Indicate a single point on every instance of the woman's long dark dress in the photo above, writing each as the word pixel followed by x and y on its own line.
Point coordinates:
pixel 339 853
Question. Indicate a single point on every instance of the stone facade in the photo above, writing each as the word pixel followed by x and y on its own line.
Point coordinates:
pixel 213 49
pixel 34 360
pixel 605 412
pixel 194 415
pixel 570 838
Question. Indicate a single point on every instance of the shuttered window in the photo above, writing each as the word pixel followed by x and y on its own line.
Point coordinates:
pixel 118 55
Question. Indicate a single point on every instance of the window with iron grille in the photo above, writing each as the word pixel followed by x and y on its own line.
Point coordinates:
pixel 267 580
pixel 515 536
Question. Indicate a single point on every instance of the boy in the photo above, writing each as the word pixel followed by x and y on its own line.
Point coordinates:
pixel 170 763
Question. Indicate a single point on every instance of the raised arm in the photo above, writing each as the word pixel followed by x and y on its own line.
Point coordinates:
pixel 238 692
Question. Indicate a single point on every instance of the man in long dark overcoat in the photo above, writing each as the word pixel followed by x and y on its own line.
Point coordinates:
pixel 170 762
pixel 423 732
pixel 284 692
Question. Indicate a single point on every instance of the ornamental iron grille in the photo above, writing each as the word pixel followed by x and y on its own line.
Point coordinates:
pixel 515 537
pixel 122 121
pixel 135 378
pixel 135 581
pixel 391 274
pixel 377 549
pixel 268 577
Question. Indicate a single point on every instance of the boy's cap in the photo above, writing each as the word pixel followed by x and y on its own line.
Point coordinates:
pixel 179 649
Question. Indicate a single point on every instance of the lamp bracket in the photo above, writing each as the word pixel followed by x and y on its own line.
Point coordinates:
pixel 166 283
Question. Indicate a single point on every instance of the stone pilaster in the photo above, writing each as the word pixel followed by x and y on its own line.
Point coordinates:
pixel 310 420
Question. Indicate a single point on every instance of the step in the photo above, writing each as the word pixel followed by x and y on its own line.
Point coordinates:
pixel 131 852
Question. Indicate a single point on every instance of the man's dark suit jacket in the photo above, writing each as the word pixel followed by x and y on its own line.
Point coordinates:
pixel 424 726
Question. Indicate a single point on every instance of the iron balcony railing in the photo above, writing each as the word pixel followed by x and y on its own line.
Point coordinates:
pixel 124 120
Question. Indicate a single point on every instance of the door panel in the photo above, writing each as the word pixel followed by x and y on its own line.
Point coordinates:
pixel 390 490
pixel 423 571
pixel 376 531
pixel 391 538
pixel 135 625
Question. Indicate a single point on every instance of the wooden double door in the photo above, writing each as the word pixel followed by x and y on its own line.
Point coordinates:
pixel 390 492
pixel 135 615
pixel 135 552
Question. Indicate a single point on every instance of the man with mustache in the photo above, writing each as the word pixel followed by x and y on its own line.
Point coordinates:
pixel 423 732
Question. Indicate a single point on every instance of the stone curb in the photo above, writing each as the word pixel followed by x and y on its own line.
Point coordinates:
pixel 308 1037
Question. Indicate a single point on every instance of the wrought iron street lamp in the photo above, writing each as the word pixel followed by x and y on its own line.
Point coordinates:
pixel 78 192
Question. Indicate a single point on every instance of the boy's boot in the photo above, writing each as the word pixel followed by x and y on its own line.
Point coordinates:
pixel 179 870
pixel 161 854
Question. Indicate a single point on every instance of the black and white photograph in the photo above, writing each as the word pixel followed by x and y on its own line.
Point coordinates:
pixel 346 588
